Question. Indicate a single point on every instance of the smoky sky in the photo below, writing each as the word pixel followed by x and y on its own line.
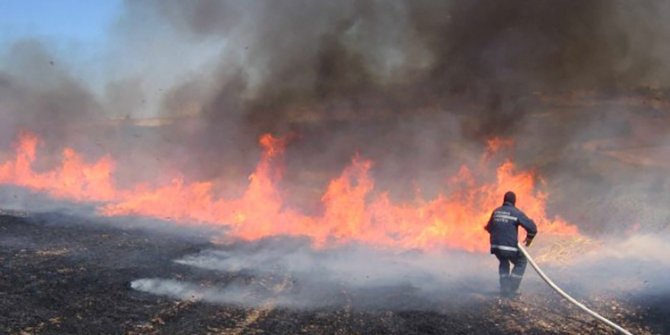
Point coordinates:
pixel 353 74
pixel 37 94
pixel 299 65
pixel 310 62
pixel 416 86
pixel 403 81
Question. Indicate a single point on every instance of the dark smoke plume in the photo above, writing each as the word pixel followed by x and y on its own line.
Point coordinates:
pixel 416 86
pixel 411 83
pixel 315 62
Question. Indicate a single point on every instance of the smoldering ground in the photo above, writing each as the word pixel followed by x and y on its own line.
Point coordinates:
pixel 292 274
pixel 288 273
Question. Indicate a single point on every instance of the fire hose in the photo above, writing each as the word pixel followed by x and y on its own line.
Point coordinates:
pixel 569 298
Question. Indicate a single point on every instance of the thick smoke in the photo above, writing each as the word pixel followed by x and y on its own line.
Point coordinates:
pixel 312 63
pixel 416 86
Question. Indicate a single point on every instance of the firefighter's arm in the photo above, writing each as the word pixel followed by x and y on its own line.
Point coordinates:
pixel 530 227
pixel 488 224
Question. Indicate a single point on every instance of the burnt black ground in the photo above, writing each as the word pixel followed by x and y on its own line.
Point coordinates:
pixel 67 275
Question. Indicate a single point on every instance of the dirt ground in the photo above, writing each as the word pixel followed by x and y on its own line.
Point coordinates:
pixel 66 275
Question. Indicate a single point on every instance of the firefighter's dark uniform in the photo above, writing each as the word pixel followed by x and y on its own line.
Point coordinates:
pixel 503 227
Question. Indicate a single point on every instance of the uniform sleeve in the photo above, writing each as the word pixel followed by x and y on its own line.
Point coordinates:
pixel 488 224
pixel 528 225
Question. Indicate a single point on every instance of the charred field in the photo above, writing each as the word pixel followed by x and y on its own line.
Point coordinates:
pixel 63 274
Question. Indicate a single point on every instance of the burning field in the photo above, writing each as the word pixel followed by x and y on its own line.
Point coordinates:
pixel 223 167
pixel 70 275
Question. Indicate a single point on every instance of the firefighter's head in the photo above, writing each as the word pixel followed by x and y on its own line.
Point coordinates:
pixel 510 197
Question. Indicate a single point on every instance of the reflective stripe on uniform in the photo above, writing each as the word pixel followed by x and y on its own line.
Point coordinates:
pixel 504 247
pixel 516 275
pixel 508 217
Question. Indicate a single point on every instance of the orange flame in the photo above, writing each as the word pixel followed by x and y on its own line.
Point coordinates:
pixel 352 210
pixel 74 179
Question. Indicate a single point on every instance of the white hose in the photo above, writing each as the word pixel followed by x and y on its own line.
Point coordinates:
pixel 569 298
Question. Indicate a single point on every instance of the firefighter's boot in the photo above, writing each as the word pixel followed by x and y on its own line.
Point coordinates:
pixel 514 283
pixel 505 285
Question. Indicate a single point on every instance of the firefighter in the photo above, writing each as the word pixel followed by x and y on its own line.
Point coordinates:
pixel 503 227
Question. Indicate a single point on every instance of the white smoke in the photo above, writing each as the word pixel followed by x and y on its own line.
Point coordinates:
pixel 291 274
